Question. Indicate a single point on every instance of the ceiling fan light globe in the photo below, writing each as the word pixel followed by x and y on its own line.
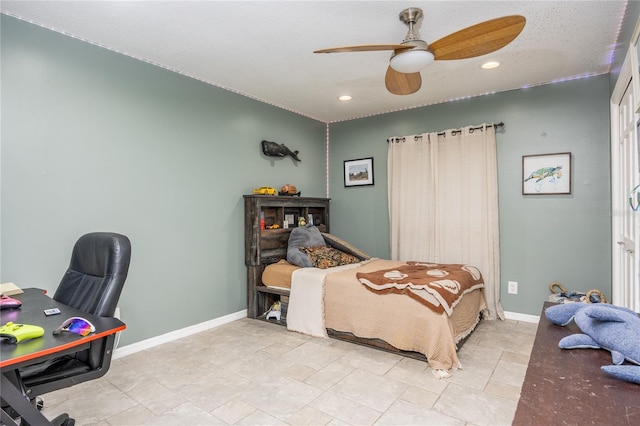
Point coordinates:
pixel 411 61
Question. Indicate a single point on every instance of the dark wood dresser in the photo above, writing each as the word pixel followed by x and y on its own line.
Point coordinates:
pixel 567 387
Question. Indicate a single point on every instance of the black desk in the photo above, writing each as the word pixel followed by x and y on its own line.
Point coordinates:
pixel 28 352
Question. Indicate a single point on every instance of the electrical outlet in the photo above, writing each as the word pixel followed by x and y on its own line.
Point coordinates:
pixel 513 287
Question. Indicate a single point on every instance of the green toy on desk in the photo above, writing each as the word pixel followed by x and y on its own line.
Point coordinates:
pixel 15 333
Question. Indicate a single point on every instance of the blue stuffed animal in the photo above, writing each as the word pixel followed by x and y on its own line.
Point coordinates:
pixel 604 326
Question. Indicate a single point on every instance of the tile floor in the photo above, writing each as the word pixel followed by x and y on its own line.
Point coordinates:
pixel 250 372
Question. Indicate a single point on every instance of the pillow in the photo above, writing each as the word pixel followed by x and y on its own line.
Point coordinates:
pixel 342 245
pixel 306 236
pixel 324 257
pixel 278 274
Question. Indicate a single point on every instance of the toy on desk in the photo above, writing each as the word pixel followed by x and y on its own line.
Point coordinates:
pixel 604 326
pixel 7 302
pixel 274 311
pixel 15 333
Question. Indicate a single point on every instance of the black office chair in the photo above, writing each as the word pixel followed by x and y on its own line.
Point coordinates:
pixel 93 283
pixel 96 274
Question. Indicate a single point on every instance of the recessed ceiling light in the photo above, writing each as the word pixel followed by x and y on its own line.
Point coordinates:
pixel 345 98
pixel 490 65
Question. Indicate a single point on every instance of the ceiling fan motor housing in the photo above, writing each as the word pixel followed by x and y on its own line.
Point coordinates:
pixel 418 56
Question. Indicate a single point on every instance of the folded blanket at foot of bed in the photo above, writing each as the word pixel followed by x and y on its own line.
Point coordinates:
pixel 437 286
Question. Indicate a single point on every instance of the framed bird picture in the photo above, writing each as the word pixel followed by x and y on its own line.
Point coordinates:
pixel 546 174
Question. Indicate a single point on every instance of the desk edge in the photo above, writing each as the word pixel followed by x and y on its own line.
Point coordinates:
pixel 86 339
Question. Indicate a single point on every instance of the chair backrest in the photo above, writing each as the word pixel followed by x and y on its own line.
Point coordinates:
pixel 96 274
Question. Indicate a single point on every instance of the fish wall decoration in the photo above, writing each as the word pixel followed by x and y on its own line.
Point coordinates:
pixel 273 149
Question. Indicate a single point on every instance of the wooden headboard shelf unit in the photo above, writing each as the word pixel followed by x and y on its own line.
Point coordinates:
pixel 266 246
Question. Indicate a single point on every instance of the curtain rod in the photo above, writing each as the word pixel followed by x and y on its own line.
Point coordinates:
pixel 453 132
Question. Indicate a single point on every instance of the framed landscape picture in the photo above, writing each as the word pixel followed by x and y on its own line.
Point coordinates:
pixel 546 174
pixel 358 172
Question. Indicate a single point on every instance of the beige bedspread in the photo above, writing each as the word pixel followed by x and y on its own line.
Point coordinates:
pixel 397 319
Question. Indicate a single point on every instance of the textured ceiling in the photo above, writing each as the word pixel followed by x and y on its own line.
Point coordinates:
pixel 263 49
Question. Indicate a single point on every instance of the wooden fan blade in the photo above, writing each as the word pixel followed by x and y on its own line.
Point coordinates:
pixel 366 48
pixel 402 84
pixel 479 39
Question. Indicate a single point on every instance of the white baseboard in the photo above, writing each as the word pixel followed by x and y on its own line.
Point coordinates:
pixel 177 334
pixel 521 317
pixel 207 325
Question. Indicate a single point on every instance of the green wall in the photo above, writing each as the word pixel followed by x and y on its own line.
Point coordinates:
pixel 95 141
pixel 565 238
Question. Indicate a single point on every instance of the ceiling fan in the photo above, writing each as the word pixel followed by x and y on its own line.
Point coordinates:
pixel 414 54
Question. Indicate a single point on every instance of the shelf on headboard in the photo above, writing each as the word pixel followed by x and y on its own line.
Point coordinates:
pixel 266 246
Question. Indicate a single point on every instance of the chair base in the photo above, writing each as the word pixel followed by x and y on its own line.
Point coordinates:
pixel 63 420
pixel 13 418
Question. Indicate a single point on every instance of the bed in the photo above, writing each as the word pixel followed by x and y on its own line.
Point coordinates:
pixel 351 297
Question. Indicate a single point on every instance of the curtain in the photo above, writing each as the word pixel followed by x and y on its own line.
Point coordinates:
pixel 443 202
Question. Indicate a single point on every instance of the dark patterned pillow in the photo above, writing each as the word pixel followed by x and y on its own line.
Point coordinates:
pixel 342 245
pixel 324 257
